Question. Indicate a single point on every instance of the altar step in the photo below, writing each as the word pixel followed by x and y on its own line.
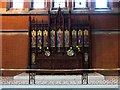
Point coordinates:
pixel 91 76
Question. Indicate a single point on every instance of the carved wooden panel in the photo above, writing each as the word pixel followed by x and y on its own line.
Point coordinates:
pixel 61 44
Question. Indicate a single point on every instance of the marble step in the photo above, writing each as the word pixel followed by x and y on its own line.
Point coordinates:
pixel 91 76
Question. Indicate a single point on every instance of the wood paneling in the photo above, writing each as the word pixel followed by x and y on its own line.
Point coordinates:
pixel 119 50
pixel 0 5
pixel 0 22
pixel 26 4
pixel 105 51
pixel 104 21
pixel 48 4
pixel 104 46
pixel 18 22
pixel 15 51
pixel 15 22
pixel 97 21
pixel 119 21
pixel 0 51
pixel 115 4
pixel 3 3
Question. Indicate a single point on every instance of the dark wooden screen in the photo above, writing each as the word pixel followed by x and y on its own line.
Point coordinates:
pixel 60 43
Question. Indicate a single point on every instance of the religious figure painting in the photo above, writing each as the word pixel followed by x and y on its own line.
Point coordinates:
pixel 33 33
pixel 86 38
pixel 66 38
pixel 39 38
pixel 74 38
pixel 80 41
pixel 45 33
pixel 52 38
pixel 59 38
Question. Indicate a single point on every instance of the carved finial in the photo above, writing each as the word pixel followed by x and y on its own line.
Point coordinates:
pixel 33 20
pixel 42 21
pixel 59 5
pixel 49 11
pixel 36 20
pixel 59 8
